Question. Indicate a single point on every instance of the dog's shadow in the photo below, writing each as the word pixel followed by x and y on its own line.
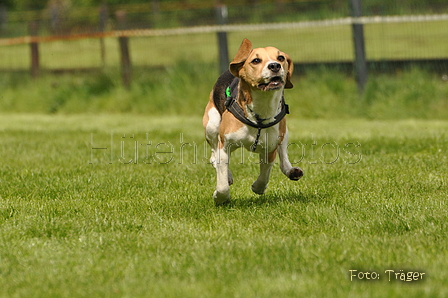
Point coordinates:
pixel 272 199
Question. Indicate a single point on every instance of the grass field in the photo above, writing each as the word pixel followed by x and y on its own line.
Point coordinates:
pixel 183 88
pixel 125 222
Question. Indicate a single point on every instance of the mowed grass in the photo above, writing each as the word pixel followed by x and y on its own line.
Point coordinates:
pixel 183 89
pixel 137 219
pixel 383 41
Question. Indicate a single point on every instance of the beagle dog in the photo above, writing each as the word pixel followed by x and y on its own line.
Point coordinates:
pixel 247 109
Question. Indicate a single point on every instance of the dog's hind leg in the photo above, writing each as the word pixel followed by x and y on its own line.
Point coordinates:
pixel 216 159
pixel 212 121
pixel 222 192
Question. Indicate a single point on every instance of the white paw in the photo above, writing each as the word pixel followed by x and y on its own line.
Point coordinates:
pixel 259 188
pixel 221 198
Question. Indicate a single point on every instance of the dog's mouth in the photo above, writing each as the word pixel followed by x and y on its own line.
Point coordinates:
pixel 273 84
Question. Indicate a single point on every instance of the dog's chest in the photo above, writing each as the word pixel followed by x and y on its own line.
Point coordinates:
pixel 246 136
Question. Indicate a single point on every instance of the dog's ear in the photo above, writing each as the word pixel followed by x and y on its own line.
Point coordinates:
pixel 288 84
pixel 240 57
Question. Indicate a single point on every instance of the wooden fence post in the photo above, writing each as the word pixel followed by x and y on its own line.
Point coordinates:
pixel 104 15
pixel 34 47
pixel 126 66
pixel 221 19
pixel 3 18
pixel 359 46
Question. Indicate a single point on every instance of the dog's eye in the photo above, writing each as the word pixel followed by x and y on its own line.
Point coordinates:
pixel 281 58
pixel 256 61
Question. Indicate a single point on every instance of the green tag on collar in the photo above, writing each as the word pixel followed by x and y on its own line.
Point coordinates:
pixel 228 93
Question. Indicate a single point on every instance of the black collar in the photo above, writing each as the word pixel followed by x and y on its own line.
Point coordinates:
pixel 234 108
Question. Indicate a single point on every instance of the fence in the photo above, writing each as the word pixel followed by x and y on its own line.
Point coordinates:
pixel 390 41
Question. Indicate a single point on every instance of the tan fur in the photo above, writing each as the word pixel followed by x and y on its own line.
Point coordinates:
pixel 229 124
pixel 205 119
pixel 251 73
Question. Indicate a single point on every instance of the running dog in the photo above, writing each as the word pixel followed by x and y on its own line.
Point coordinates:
pixel 247 109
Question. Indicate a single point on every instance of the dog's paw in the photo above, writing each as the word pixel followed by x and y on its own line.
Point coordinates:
pixel 221 198
pixel 295 174
pixel 259 188
pixel 230 178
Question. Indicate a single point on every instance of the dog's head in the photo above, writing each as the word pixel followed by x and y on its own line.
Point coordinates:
pixel 263 68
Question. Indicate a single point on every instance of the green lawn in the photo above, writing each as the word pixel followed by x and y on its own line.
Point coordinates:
pixel 383 41
pixel 82 222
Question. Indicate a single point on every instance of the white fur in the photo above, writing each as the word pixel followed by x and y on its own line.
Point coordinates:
pixel 211 132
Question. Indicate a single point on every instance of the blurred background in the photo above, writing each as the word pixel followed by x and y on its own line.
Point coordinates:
pixel 159 56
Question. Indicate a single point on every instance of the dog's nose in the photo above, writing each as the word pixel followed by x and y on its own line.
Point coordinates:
pixel 274 67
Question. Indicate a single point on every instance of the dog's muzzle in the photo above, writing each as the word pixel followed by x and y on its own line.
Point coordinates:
pixel 274 83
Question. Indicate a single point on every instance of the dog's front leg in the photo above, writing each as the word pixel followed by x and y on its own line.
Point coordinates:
pixel 293 173
pixel 259 186
pixel 222 192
